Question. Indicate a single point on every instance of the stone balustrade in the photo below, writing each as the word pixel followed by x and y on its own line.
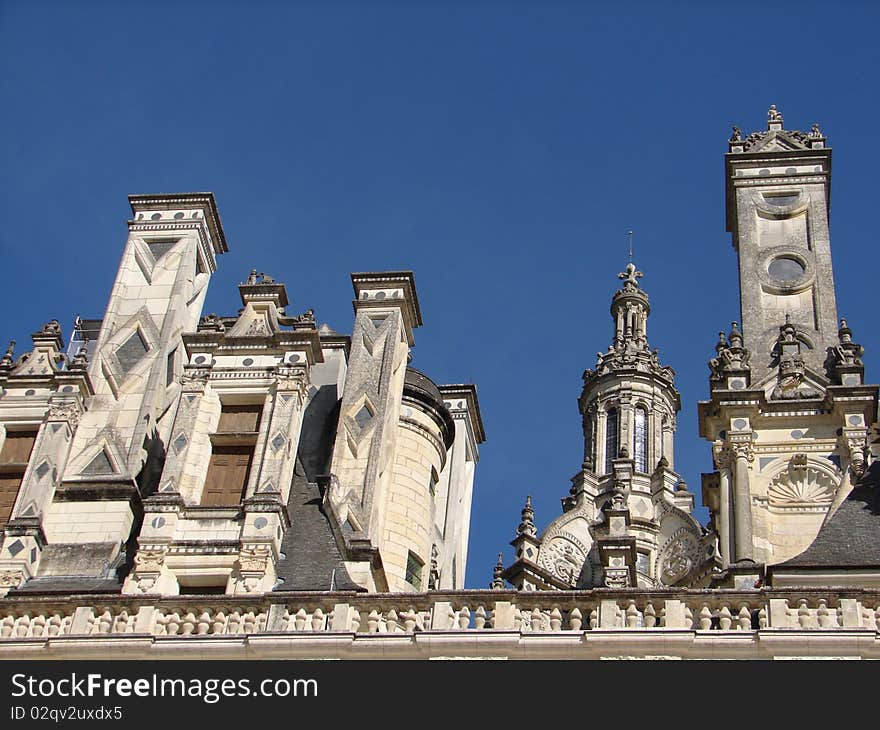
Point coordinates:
pixel 462 621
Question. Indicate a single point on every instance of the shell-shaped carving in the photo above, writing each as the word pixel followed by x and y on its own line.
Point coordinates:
pixel 797 486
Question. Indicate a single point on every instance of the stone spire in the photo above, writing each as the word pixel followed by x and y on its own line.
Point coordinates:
pixel 497 583
pixel 846 358
pixel 527 525
pixel 6 360
pixel 629 349
pixel 630 310
pixel 730 367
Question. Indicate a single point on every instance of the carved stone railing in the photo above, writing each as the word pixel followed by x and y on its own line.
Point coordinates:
pixel 30 618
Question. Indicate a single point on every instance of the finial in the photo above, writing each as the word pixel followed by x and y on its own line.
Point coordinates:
pixel 6 360
pixel 681 486
pixel 815 132
pixel 735 336
pixel 81 359
pixel 497 583
pixel 630 276
pixel 527 524
pixel 773 114
pixel 630 247
pixel 722 342
pixel 737 134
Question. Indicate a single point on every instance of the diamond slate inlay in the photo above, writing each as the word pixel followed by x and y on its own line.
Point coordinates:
pixel 279 440
pixel 131 351
pixel 15 547
pixel 42 470
pixel 180 443
pixel 363 416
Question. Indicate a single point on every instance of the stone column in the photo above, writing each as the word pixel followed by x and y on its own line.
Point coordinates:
pixel 722 462
pixel 742 507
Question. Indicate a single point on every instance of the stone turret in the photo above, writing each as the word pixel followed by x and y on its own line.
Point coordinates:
pixel 625 520
pixel 789 413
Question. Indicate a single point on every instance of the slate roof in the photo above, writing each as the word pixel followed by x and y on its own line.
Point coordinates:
pixel 850 538
pixel 67 585
pixel 312 559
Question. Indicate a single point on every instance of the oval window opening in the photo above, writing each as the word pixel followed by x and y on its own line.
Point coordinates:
pixel 785 269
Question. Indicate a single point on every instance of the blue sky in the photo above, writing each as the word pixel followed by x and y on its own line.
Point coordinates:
pixel 499 150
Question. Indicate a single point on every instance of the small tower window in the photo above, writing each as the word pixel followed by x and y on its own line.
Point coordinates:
pixel 414 571
pixel 611 440
pixel 640 446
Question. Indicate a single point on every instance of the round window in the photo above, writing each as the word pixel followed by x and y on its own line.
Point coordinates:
pixel 786 269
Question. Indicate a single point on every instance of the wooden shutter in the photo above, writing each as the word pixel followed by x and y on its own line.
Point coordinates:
pixel 9 484
pixel 240 419
pixel 14 457
pixel 17 447
pixel 228 473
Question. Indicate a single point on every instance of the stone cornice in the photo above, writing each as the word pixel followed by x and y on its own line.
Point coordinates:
pixel 169 201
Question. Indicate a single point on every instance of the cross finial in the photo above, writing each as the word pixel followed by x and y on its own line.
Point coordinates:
pixel 630 246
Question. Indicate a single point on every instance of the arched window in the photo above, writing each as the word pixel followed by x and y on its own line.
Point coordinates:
pixel 590 439
pixel 611 440
pixel 640 440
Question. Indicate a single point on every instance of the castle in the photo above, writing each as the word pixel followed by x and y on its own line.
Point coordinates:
pixel 258 485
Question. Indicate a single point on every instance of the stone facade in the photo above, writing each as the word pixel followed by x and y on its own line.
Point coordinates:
pixel 259 486
pixel 182 453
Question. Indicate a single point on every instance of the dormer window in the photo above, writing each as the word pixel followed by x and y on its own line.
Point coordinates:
pixel 232 453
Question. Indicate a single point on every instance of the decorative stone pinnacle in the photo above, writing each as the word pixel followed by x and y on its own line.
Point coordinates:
pixel 737 134
pixel 846 355
pixel 497 583
pixel 6 360
pixel 81 359
pixel 815 132
pixel 681 486
pixel 527 525
pixel 731 355
pixel 735 337
pixel 773 114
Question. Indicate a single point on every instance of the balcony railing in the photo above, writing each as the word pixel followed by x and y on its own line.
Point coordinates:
pixel 466 615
